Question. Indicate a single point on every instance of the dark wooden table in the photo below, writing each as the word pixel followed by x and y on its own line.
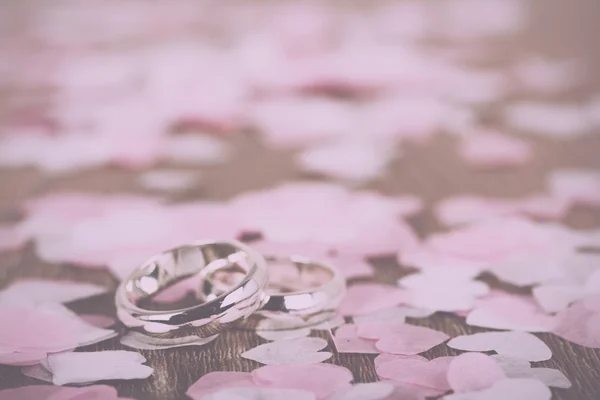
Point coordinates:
pixel 432 172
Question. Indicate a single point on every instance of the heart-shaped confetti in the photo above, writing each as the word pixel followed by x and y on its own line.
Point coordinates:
pixel 511 344
pixel 304 350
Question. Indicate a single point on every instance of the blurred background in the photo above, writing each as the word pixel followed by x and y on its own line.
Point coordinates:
pixel 128 127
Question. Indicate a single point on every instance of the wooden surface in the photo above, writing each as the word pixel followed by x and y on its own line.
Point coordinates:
pixel 432 171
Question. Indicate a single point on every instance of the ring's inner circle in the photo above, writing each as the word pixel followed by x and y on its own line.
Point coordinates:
pixel 286 275
pixel 165 280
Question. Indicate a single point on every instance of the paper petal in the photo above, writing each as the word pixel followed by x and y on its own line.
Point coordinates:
pixel 518 368
pixel 510 312
pixel 508 389
pixel 494 150
pixel 303 350
pixel 347 340
pixel 38 291
pixel 470 372
pixel 45 392
pixel 402 338
pixel 85 367
pixel 215 381
pixel 510 344
pixel 366 298
pixel 365 391
pixel 257 393
pixel 430 374
pixel 46 328
pixel 321 379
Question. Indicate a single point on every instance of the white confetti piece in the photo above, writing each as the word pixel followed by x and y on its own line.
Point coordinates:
pixel 303 350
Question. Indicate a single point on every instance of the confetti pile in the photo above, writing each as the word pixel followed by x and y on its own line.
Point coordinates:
pixel 166 92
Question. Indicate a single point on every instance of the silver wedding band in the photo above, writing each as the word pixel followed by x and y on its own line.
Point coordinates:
pixel 234 290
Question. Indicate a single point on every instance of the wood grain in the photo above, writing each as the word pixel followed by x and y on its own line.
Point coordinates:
pixel 431 171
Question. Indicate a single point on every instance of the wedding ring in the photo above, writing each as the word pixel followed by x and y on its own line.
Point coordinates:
pixel 219 307
pixel 300 292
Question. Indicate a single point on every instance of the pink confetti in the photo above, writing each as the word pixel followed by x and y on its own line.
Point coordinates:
pixel 470 372
pixel 321 379
pixel 580 323
pixel 253 393
pixel 366 298
pixel 301 29
pixel 506 311
pixel 10 238
pixel 120 231
pixel 169 180
pixel 491 149
pixel 387 357
pixel 361 223
pixel 402 338
pixel 352 160
pixel 545 76
pixel 292 122
pixel 510 344
pixel 393 315
pixel 44 392
pixel 98 320
pixel 366 391
pixel 495 240
pixel 86 367
pixel 215 381
pixel 443 290
pixel 519 368
pixel 303 350
pixel 554 121
pixel 62 330
pixel 556 297
pixel 466 209
pixel 346 340
pixel 35 292
pixel 426 374
pixel 578 186
pixel 508 389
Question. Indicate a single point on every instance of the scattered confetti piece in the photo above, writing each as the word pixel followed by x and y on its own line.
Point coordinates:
pixel 580 323
pixel 346 340
pixel 45 392
pixel 218 380
pixel 510 344
pixel 98 320
pixel 304 350
pixel 554 121
pixel 518 368
pixel 254 393
pixel 402 338
pixel 62 330
pixel 365 391
pixel 508 389
pixel 577 185
pixel 441 291
pixel 169 180
pixel 427 374
pixel 491 150
pixel 471 372
pixel 35 292
pixel 505 311
pixel 366 298
pixel 321 379
pixel 347 160
pixel 87 367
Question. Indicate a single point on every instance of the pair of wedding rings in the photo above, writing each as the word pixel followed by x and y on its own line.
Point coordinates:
pixel 236 287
